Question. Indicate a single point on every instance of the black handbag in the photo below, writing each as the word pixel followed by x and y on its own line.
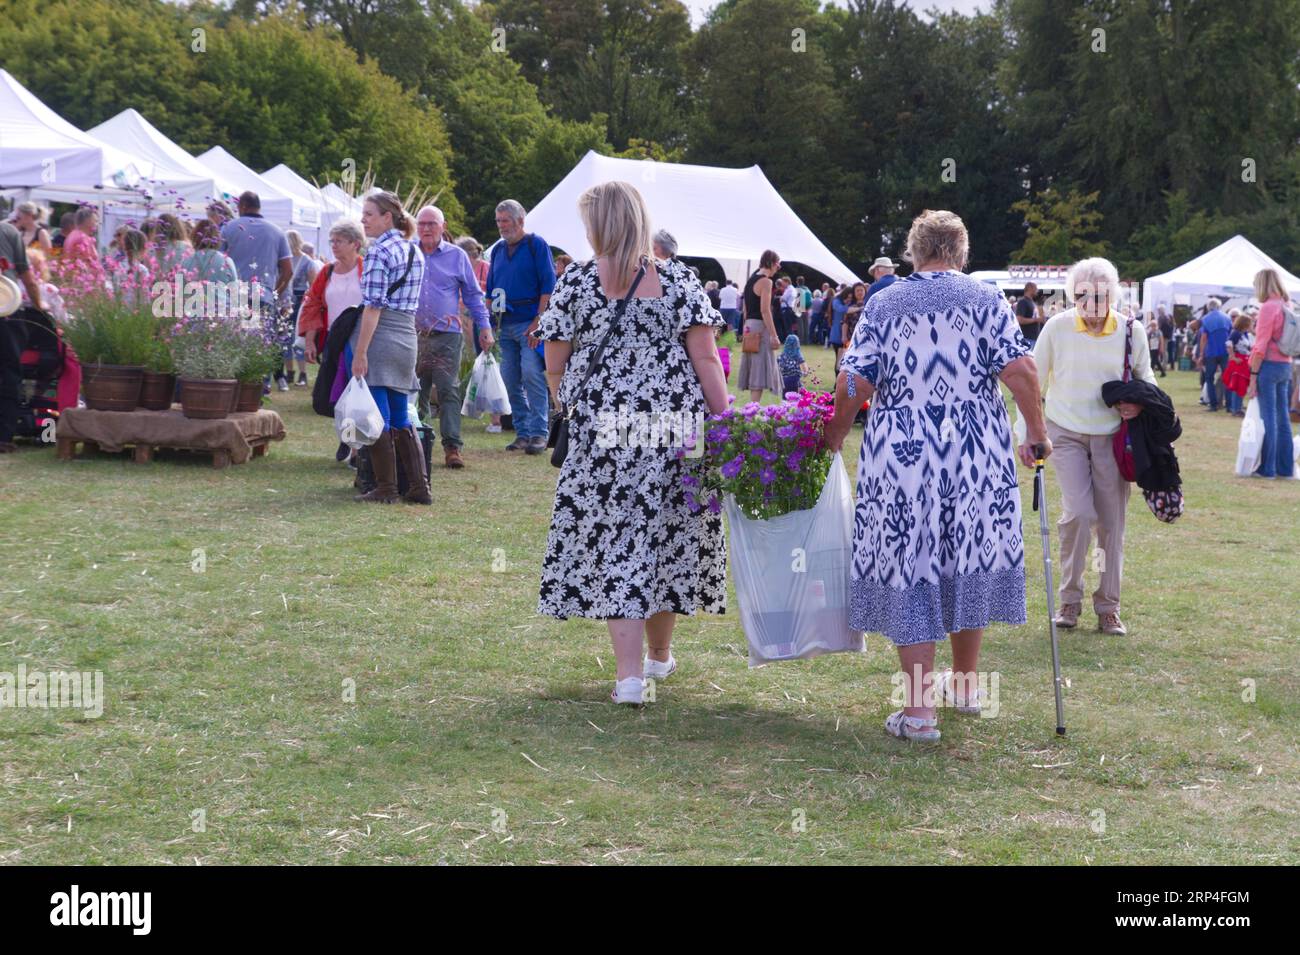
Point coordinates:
pixel 558 440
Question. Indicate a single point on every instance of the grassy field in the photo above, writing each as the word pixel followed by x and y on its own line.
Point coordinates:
pixel 481 732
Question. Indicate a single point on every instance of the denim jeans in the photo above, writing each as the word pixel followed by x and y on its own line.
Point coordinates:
pixel 1232 399
pixel 732 317
pixel 1273 391
pixel 524 373
pixel 1212 365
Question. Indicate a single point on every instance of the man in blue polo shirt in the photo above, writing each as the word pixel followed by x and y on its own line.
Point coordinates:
pixel 260 252
pixel 521 277
pixel 1215 327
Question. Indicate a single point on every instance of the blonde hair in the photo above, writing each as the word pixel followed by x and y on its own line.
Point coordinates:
pixel 387 202
pixel 1093 275
pixel 618 225
pixel 295 242
pixel 1269 284
pixel 938 236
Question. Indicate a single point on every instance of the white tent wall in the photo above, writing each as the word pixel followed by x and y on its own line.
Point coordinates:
pixel 181 183
pixel 1226 271
pixel 731 215
pixel 304 194
pixel 44 157
pixel 277 207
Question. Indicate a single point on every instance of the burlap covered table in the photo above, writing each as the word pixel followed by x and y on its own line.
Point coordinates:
pixel 230 440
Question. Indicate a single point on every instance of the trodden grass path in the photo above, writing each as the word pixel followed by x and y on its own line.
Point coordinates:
pixel 481 732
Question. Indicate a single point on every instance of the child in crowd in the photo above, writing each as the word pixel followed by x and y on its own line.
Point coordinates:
pixel 792 365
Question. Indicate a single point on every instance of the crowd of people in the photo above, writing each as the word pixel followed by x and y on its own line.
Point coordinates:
pixel 938 545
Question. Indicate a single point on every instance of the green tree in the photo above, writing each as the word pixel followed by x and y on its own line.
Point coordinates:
pixel 1061 228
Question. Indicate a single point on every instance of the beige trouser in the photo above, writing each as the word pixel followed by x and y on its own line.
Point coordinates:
pixel 1092 493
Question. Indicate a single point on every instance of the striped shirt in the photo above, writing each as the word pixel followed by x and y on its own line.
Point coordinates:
pixel 1073 365
pixel 385 262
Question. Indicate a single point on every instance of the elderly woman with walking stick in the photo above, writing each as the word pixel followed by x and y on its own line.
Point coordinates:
pixel 1078 351
pixel 938 548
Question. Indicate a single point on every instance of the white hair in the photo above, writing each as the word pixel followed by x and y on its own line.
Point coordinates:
pixel 350 230
pixel 1093 275
pixel 435 210
pixel 511 208
pixel 1212 304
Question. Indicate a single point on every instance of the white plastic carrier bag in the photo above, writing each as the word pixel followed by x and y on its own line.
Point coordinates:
pixel 792 576
pixel 1250 445
pixel 356 416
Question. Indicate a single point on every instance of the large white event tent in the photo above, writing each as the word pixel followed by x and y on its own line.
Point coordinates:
pixel 730 215
pixel 278 207
pixel 285 179
pixel 1227 271
pixel 43 156
pixel 180 182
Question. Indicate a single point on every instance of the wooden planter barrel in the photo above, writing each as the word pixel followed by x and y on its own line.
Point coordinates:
pixel 157 391
pixel 111 387
pixel 207 397
pixel 248 397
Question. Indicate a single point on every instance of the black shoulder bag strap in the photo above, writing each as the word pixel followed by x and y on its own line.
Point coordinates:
pixel 410 260
pixel 559 437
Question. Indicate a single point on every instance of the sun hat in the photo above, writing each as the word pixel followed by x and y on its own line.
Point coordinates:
pixel 881 263
pixel 11 297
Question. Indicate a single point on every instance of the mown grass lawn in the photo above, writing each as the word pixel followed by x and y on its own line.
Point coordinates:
pixel 481 732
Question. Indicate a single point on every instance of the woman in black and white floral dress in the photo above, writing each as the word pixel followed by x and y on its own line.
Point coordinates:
pixel 627 545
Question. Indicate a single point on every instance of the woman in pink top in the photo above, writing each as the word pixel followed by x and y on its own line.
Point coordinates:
pixel 1270 378
pixel 80 253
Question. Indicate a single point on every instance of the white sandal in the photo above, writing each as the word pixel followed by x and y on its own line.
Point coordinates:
pixel 968 707
pixel 912 727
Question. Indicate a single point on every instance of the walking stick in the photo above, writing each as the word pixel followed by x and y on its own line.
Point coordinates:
pixel 1040 505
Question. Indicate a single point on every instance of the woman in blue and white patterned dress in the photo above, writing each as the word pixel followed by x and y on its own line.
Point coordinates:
pixel 937 541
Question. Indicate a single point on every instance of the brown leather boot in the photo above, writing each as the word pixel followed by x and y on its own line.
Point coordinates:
pixel 384 463
pixel 412 458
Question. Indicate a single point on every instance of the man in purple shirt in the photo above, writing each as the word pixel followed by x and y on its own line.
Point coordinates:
pixel 448 281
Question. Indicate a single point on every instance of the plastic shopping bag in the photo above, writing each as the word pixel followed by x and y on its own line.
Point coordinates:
pixel 356 416
pixel 486 393
pixel 493 389
pixel 1250 446
pixel 792 576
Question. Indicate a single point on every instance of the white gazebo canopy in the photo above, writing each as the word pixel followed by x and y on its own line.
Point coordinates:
pixel 278 206
pixel 44 156
pixel 1226 271
pixel 731 215
pixel 179 182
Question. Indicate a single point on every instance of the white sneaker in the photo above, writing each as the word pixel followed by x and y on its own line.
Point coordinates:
pixel 654 670
pixel 494 429
pixel 631 690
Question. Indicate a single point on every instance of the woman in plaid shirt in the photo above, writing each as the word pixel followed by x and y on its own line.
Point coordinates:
pixel 383 346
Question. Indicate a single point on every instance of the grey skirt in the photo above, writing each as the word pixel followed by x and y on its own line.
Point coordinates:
pixel 760 371
pixel 390 357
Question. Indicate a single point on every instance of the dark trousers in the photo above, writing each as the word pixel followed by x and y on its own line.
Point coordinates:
pixel 13 339
pixel 1214 365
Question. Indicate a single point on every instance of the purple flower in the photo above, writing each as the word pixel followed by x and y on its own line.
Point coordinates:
pixel 715 504
pixel 787 431
pixel 792 460
pixel 733 467
pixel 766 454
pixel 690 480
pixel 754 437
pixel 719 434
pixel 766 476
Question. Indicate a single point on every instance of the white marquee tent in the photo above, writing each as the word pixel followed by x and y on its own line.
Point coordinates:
pixel 730 215
pixel 278 206
pixel 1226 271
pixel 179 182
pixel 44 156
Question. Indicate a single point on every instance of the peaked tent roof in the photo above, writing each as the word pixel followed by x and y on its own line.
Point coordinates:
pixel 1227 269
pixel 731 215
pixel 42 151
pixel 277 206
pixel 173 168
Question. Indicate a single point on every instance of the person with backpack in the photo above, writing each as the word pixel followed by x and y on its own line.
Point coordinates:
pixel 521 277
pixel 1277 341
